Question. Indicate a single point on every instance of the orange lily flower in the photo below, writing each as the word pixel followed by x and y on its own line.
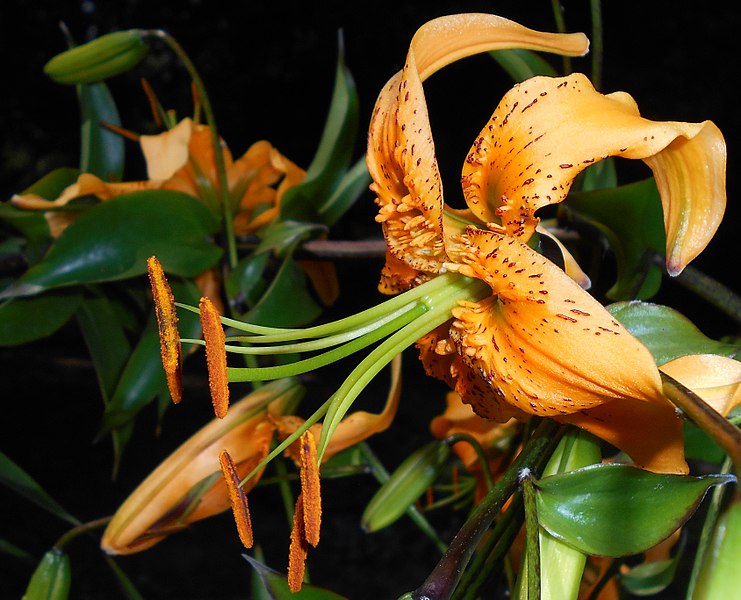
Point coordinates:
pixel 182 159
pixel 188 486
pixel 537 344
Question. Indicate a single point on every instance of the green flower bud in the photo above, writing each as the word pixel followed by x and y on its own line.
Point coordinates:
pixel 99 59
pixel 52 578
pixel 410 480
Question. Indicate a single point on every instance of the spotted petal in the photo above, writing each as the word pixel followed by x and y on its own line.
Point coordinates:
pixel 547 130
pixel 401 154
pixel 540 341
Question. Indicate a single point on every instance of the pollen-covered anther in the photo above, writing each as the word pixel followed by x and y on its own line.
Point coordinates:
pixel 213 335
pixel 167 323
pixel 310 488
pixel 237 498
pixel 298 549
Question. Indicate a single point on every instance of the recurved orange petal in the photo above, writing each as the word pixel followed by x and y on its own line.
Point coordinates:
pixel 545 131
pixel 401 154
pixel 540 342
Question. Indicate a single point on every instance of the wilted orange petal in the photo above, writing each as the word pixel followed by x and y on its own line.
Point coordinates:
pixel 298 549
pixel 545 131
pixel 167 152
pixel 651 434
pixel 401 154
pixel 716 379
pixel 167 323
pixel 310 488
pixel 540 342
pixel 237 498
pixel 213 334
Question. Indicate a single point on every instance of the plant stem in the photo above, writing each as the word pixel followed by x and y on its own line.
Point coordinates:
pixel 725 434
pixel 226 204
pixel 480 455
pixel 444 578
pixel 533 539
pixel 76 532
pixel 596 43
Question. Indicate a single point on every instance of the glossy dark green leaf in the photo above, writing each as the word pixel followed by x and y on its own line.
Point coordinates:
pixel 113 240
pixel 101 150
pixel 287 302
pixel 698 445
pixel 618 510
pixel 631 219
pixel 23 320
pixel 353 183
pixel 15 478
pixel 648 579
pixel 281 237
pixel 522 64
pixel 598 176
pixel 106 341
pixel 720 576
pixel 333 156
pixel 52 578
pixel 666 332
pixel 143 378
pixel 405 486
pixel 245 283
pixel 275 586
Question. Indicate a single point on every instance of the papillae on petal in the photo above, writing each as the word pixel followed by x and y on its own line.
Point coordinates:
pixel 545 131
pixel 401 154
pixel 540 342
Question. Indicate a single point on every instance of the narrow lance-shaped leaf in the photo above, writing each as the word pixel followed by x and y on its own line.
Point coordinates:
pixel 521 64
pixel 275 586
pixel 15 478
pixel 611 509
pixel 334 153
pixel 113 240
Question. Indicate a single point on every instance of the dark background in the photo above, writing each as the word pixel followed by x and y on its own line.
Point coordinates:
pixel 269 68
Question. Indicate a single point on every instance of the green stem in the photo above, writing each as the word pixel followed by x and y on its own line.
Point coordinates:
pixel 561 28
pixel 444 578
pixel 596 49
pixel 726 435
pixel 533 539
pixel 82 529
pixel 226 204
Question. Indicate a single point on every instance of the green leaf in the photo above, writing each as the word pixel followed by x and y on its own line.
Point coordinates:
pixel 245 283
pixel 522 64
pixel 404 487
pixel 52 578
pixel 127 586
pixel 143 377
pixel 649 578
pixel 336 147
pixel 287 302
pixel 720 576
pixel 106 341
pixel 15 478
pixel 631 218
pixel 11 549
pixel 617 510
pixel 275 586
pixel 23 320
pixel 101 150
pixel 282 237
pixel 353 183
pixel 666 332
pixel 698 445
pixel 113 240
pixel 598 176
